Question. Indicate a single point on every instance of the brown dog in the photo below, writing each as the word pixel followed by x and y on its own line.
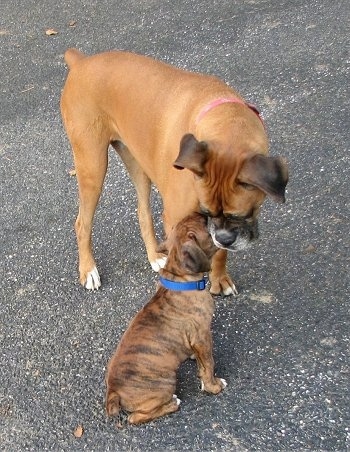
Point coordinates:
pixel 173 325
pixel 161 119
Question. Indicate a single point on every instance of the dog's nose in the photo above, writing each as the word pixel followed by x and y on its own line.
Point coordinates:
pixel 226 238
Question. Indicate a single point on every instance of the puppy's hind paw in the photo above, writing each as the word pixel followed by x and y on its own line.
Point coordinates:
pixel 158 263
pixel 223 383
pixel 93 281
pixel 175 398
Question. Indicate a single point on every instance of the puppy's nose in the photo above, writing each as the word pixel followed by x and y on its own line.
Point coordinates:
pixel 226 238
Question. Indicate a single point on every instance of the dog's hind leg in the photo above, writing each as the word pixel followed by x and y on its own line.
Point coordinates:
pixel 139 417
pixel 142 185
pixel 91 160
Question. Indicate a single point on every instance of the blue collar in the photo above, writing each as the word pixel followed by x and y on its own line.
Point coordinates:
pixel 189 285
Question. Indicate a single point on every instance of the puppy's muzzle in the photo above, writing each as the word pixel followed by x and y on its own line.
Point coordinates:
pixel 233 235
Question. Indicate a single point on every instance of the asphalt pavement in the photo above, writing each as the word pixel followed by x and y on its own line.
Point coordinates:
pixel 283 343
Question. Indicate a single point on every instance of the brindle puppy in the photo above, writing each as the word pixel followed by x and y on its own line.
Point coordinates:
pixel 172 326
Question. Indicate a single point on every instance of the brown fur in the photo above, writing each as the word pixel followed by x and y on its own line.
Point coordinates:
pixel 148 111
pixel 172 326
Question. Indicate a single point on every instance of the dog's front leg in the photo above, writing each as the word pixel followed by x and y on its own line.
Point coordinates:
pixel 220 281
pixel 203 350
pixel 142 185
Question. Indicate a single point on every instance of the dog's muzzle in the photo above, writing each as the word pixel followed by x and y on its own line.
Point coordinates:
pixel 232 235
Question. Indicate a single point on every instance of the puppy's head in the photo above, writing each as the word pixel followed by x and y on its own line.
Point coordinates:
pixel 189 246
pixel 231 187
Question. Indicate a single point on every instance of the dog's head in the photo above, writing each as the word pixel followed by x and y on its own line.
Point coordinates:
pixel 189 246
pixel 231 187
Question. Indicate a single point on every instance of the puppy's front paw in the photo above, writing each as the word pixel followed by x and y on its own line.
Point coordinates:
pixel 214 387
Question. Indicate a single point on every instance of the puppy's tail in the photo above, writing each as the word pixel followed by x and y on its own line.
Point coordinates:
pixel 112 403
pixel 72 56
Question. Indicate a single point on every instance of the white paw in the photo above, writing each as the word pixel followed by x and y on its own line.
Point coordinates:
pixel 158 263
pixel 93 281
pixel 230 291
pixel 178 401
pixel 223 382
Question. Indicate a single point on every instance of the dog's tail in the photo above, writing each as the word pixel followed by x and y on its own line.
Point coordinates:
pixel 112 403
pixel 72 56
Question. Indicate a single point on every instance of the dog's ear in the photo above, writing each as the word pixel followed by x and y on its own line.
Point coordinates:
pixel 193 155
pixel 193 258
pixel 269 174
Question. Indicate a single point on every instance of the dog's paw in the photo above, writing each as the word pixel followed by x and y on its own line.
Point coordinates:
pixel 93 281
pixel 223 383
pixel 231 290
pixel 214 388
pixel 222 285
pixel 176 399
pixel 158 263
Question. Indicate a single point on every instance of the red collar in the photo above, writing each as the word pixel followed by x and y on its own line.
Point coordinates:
pixel 225 100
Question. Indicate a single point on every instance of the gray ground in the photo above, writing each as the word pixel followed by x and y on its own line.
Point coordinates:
pixel 283 343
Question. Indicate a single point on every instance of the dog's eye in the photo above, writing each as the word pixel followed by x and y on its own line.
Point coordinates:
pixel 246 186
pixel 231 217
pixel 207 212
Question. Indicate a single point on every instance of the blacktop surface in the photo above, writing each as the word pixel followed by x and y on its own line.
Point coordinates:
pixel 283 343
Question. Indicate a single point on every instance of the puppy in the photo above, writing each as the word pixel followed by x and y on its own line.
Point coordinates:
pixel 172 326
pixel 160 120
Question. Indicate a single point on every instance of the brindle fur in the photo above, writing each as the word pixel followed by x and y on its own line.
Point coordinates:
pixel 172 326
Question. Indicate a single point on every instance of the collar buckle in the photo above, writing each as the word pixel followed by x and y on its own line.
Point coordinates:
pixel 201 284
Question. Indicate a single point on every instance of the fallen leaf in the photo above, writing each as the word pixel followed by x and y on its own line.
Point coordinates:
pixel 78 432
pixel 72 172
pixel 51 32
pixel 310 249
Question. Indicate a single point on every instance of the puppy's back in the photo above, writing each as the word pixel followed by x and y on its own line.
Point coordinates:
pixel 149 353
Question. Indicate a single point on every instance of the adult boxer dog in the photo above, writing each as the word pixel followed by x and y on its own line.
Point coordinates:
pixel 161 119
pixel 172 326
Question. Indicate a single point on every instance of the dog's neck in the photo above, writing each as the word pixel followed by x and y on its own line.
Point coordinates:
pixel 223 100
pixel 181 286
pixel 175 274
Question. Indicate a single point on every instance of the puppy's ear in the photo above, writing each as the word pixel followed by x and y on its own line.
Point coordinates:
pixel 193 155
pixel 193 258
pixel 269 174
